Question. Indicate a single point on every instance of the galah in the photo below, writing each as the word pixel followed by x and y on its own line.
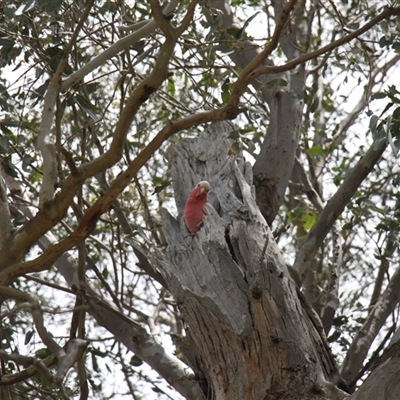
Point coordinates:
pixel 193 213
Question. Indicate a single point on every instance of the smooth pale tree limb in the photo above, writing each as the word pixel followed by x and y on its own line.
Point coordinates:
pixel 5 220
pixel 273 166
pixel 335 206
pixel 45 142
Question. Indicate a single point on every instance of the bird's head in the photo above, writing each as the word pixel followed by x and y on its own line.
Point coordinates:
pixel 202 188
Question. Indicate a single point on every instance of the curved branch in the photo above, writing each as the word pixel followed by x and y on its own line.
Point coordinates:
pixel 389 12
pixel 102 204
pixel 54 211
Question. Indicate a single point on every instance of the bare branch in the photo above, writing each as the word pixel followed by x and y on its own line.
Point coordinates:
pixel 118 46
pixel 74 352
pixel 336 205
pixel 37 315
pixel 389 12
pixel 365 336
pixel 332 301
pixel 5 221
pixel 383 269
pixel 307 188
pixel 39 365
pixel 45 142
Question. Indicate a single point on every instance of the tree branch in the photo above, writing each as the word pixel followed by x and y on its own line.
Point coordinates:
pixel 45 143
pixel 118 46
pixel 37 315
pixel 389 12
pixel 365 336
pixel 54 211
pixel 5 224
pixel 336 205
pixel 127 331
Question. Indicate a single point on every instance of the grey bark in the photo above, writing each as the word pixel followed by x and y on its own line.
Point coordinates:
pixel 274 164
pixel 253 334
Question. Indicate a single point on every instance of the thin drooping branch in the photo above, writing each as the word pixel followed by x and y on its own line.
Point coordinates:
pixel 336 205
pixel 382 270
pixel 149 27
pixel 308 188
pixel 364 99
pixel 364 338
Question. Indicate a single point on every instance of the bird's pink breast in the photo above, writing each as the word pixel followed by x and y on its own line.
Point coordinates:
pixel 193 214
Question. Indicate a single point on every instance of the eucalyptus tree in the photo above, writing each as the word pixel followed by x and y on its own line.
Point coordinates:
pixel 111 112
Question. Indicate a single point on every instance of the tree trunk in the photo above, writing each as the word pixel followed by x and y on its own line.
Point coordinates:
pixel 252 334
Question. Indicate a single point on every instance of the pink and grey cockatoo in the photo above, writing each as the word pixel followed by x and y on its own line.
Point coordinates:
pixel 193 213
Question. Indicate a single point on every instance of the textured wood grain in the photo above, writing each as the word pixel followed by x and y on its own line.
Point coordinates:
pixel 251 334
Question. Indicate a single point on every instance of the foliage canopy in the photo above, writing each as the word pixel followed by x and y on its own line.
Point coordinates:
pixel 92 95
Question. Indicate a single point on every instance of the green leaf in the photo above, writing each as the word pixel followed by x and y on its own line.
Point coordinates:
pixel 314 105
pixel 335 336
pixel 28 336
pixel 171 85
pixel 135 361
pixel 276 82
pixel 225 91
pixel 4 144
pixel 372 123
pixel 9 168
pixel 162 186
pixel 87 106
pixel 378 95
pixel 8 43
pixel 315 150
pixel 309 221
pixel 235 32
pixel 248 20
pixel 43 353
